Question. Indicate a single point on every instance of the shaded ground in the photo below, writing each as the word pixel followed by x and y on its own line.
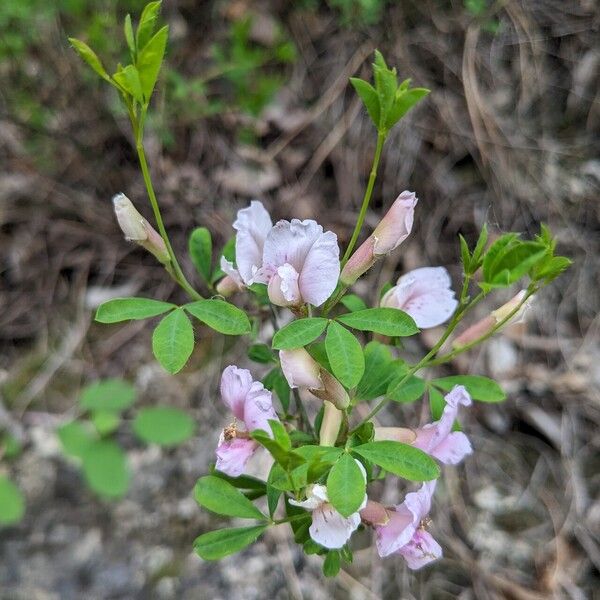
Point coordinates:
pixel 509 135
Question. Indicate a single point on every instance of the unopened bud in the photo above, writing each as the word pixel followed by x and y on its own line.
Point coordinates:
pixel 227 286
pixel 392 230
pixel 136 229
pixel 374 513
pixel 300 368
pixel 488 323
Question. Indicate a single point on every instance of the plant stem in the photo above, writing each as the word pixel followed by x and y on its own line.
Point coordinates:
pixel 175 270
pixel 381 135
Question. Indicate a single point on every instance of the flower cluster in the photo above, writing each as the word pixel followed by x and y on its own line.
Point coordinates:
pixel 299 263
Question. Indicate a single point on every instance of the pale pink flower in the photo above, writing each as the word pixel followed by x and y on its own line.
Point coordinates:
pixel 136 228
pixel 405 532
pixel 252 406
pixel 301 263
pixel 296 259
pixel 438 439
pixel 329 528
pixel 488 323
pixel 425 294
pixel 392 230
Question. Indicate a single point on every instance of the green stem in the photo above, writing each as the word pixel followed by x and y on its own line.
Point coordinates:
pixel 381 135
pixel 175 270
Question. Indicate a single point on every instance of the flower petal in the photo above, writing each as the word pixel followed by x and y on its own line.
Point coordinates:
pixel 419 502
pixel 258 409
pixel 330 529
pixel 321 270
pixel 232 455
pixel 425 294
pixel 453 449
pixel 300 369
pixel 421 550
pixel 396 225
pixel 252 225
pixel 228 268
pixel 397 532
pixel 235 385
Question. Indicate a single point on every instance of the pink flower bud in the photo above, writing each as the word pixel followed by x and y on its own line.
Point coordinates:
pixel 300 369
pixel 488 323
pixel 137 229
pixel 374 513
pixel 330 425
pixel 227 286
pixel 392 230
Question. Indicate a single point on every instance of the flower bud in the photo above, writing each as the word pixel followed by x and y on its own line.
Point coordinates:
pixel 395 434
pixel 392 230
pixel 488 323
pixel 374 513
pixel 300 368
pixel 227 286
pixel 332 391
pixel 330 425
pixel 137 229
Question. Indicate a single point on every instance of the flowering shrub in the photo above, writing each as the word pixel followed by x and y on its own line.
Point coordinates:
pixel 325 458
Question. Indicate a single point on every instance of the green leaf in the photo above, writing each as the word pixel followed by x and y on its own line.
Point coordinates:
pixel 108 394
pixel 368 94
pixel 386 321
pixel 242 482
pixel 217 544
pixel 150 59
pixel 318 351
pixel 410 390
pixel 353 302
pixel 552 268
pixel 173 341
pixel 273 495
pixel 220 497
pixel 275 381
pixel 163 425
pixel 479 248
pixel 436 403
pixel 260 353
pixel 129 79
pixel 280 435
pixel 147 23
pixel 479 387
pixel 90 57
pixel 465 255
pixel 400 459
pixel 12 502
pixel 129 37
pixel 345 354
pixel 280 452
pixel 105 468
pixel 126 309
pixel 332 563
pixel 75 437
pixel 379 371
pixel 220 316
pixel 403 102
pixel 346 485
pixel 515 261
pixel 299 333
pixel 105 421
pixel 494 252
pixel 200 249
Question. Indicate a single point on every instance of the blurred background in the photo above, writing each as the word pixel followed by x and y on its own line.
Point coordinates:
pixel 254 102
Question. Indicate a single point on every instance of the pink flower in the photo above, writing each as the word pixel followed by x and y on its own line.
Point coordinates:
pixel 405 533
pixel 296 259
pixel 252 406
pixel 438 439
pixel 425 294
pixel 329 528
pixel 136 229
pixel 488 323
pixel 392 230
